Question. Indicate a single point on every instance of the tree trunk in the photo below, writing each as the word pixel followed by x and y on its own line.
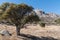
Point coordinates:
pixel 17 30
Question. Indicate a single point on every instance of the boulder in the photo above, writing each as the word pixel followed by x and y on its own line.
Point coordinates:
pixel 5 33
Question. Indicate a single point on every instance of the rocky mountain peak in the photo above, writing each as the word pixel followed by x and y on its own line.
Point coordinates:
pixel 47 17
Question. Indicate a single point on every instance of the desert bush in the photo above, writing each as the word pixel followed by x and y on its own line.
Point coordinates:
pixel 42 24
pixel 57 21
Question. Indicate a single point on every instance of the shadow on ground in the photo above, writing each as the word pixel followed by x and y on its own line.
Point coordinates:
pixel 31 37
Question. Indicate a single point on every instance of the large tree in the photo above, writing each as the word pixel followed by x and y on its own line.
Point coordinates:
pixel 19 15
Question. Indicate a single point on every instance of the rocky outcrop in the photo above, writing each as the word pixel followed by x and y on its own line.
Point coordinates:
pixel 46 17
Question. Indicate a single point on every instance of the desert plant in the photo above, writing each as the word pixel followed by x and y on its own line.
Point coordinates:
pixel 17 14
pixel 42 24
pixel 57 21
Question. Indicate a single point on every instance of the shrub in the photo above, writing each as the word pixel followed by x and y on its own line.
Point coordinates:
pixel 42 24
pixel 57 21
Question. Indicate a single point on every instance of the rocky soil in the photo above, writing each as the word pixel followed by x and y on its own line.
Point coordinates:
pixel 32 32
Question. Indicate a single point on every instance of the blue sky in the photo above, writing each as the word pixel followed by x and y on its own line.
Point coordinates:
pixel 45 5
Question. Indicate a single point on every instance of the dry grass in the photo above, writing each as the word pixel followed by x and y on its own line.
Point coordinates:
pixel 36 30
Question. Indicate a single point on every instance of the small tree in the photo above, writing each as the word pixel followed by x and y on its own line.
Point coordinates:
pixel 17 14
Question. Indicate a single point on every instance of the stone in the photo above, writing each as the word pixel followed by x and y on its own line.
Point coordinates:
pixel 5 33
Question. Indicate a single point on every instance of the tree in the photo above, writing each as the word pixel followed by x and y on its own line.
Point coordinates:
pixel 17 14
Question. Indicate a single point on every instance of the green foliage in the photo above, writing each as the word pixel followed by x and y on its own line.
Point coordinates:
pixel 32 19
pixel 57 21
pixel 17 14
pixel 42 24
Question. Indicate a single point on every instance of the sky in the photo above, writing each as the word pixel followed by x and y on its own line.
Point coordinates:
pixel 44 5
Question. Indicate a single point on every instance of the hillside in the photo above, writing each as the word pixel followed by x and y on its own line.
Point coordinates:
pixel 46 17
pixel 32 32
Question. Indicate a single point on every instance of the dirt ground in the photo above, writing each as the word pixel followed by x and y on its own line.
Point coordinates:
pixel 32 32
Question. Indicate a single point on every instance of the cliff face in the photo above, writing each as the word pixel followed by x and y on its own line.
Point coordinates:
pixel 46 17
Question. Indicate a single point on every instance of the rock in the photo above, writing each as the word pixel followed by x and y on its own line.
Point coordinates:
pixel 46 17
pixel 5 33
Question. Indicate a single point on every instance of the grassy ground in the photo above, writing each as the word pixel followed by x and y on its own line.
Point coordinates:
pixel 32 32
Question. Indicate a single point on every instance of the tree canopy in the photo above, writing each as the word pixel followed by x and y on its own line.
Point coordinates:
pixel 18 14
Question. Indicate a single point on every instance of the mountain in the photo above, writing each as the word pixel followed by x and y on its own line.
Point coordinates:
pixel 46 17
